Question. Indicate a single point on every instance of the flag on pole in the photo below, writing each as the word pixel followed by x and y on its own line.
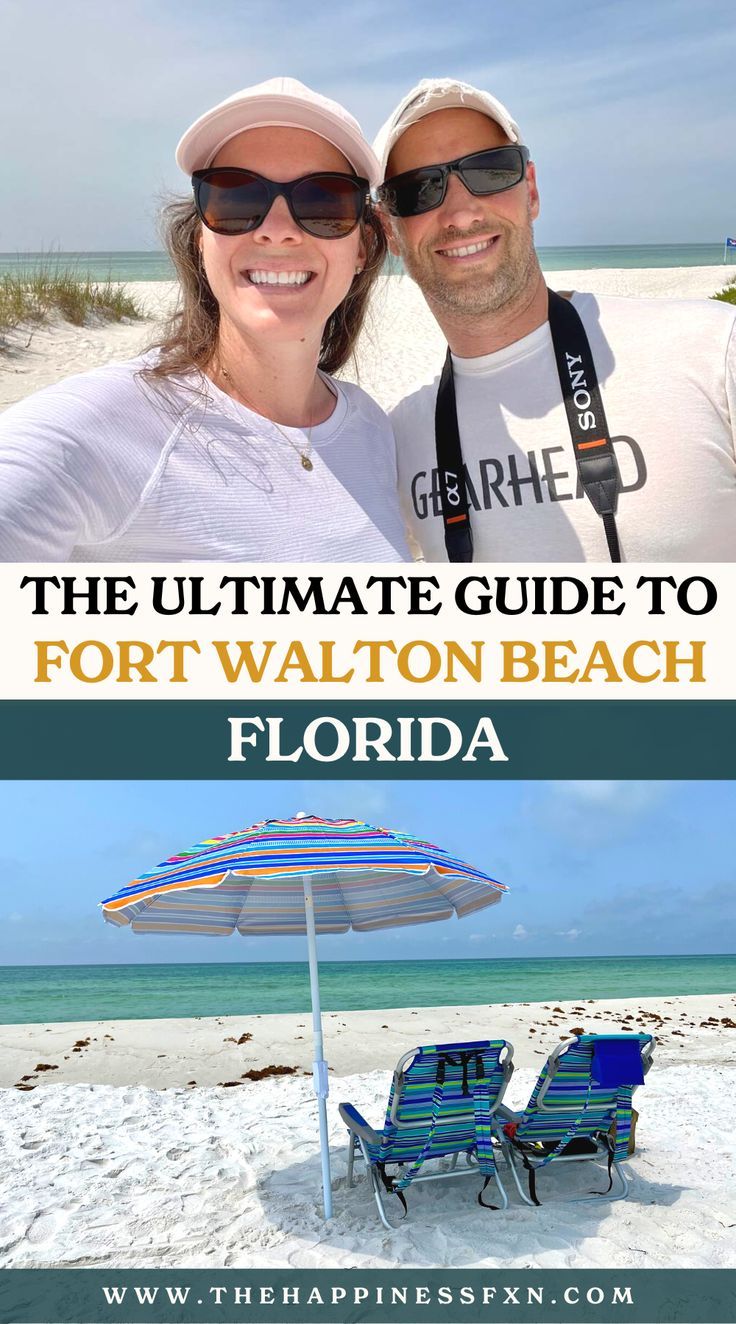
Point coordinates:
pixel 731 243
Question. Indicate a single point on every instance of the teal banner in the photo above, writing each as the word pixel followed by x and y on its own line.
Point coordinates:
pixel 371 1296
pixel 466 739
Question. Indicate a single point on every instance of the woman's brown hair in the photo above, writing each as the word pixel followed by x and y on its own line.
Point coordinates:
pixel 190 337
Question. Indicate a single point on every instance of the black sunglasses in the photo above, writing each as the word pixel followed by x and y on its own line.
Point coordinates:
pixel 482 173
pixel 233 201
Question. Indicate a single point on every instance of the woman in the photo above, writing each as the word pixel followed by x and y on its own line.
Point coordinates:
pixel 230 441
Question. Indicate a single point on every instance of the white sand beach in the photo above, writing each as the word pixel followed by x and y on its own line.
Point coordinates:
pixel 400 344
pixel 148 1144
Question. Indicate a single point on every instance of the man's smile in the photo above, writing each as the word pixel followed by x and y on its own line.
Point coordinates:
pixel 459 252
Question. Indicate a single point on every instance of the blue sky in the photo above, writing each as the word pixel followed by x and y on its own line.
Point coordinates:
pixel 628 107
pixel 594 868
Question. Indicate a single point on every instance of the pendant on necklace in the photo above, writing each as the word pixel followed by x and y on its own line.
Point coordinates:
pixel 306 463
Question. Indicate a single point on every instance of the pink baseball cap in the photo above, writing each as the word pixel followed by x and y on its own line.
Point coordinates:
pixel 283 102
pixel 433 94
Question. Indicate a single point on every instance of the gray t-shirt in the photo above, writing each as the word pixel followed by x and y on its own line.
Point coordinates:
pixel 667 372
pixel 107 466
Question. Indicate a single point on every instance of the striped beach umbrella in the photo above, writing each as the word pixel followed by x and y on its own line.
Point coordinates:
pixel 303 875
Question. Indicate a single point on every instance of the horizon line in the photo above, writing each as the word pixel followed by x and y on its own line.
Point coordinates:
pixel 409 960
pixel 649 243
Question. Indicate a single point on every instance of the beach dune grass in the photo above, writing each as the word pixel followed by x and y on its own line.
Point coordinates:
pixel 728 293
pixel 33 295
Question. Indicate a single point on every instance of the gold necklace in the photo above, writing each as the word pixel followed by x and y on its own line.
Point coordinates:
pixel 304 455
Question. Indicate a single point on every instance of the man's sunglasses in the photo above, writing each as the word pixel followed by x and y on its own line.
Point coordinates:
pixel 482 173
pixel 233 201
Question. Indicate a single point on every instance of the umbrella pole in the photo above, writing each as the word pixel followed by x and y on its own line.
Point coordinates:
pixel 321 1081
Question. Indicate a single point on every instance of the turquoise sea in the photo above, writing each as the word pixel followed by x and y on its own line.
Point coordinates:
pixel 156 265
pixel 147 992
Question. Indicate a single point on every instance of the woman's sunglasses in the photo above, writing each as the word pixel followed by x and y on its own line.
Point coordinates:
pixel 482 173
pixel 233 201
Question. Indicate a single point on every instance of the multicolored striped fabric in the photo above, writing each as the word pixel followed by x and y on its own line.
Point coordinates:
pixel 363 878
pixel 573 1104
pixel 467 1067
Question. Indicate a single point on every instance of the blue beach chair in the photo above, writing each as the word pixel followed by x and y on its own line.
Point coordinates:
pixel 579 1110
pixel 442 1103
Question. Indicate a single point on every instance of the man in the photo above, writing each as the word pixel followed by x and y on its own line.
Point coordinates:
pixel 643 470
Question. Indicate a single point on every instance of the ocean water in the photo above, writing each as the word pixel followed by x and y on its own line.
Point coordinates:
pixel 156 265
pixel 148 992
pixel 98 266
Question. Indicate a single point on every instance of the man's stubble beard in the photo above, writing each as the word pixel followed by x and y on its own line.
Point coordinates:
pixel 491 292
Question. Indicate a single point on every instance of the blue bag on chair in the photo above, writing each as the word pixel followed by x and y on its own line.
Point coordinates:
pixel 617 1062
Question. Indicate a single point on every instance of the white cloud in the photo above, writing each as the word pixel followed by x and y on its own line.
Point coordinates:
pixel 368 802
pixel 520 934
pixel 623 797
pixel 591 813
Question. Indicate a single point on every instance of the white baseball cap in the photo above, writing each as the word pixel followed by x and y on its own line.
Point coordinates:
pixel 283 102
pixel 439 94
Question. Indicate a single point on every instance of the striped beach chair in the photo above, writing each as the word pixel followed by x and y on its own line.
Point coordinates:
pixel 441 1105
pixel 579 1110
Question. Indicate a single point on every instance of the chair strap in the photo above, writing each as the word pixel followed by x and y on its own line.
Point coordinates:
pixel 533 1165
pixel 617 1151
pixel 463 1059
pixel 570 1132
pixel 623 1123
pixel 437 1096
pixel 390 1185
pixel 611 1151
pixel 483 1133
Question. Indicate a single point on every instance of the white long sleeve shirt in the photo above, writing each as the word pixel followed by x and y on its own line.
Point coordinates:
pixel 108 466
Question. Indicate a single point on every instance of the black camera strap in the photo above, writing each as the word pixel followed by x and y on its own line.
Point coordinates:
pixel 451 471
pixel 591 439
